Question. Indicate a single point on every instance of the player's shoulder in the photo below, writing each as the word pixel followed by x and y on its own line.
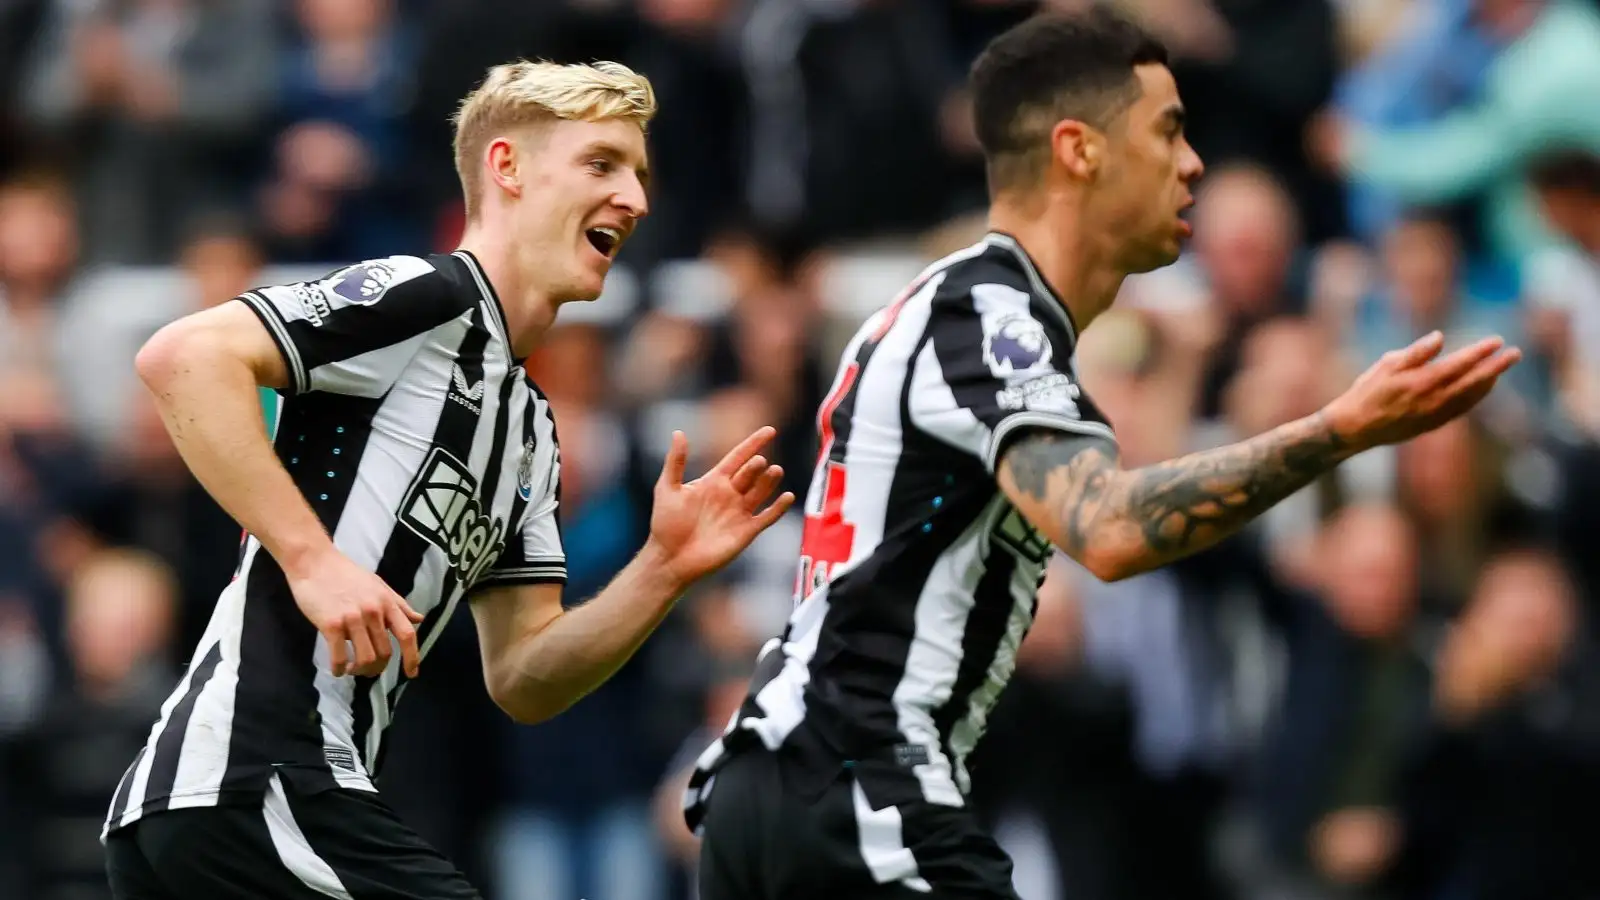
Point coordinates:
pixel 985 279
pixel 435 288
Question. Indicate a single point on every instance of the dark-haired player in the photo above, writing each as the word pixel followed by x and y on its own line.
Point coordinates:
pixel 956 448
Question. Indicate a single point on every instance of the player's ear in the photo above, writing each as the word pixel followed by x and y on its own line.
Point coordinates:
pixel 1078 147
pixel 504 164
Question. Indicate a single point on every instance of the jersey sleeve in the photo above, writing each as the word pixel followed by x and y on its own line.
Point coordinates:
pixel 355 330
pixel 988 368
pixel 534 555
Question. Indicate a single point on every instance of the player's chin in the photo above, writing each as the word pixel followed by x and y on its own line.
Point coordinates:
pixel 1156 255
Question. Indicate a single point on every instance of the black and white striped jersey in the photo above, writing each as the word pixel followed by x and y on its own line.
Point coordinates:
pixel 430 457
pixel 917 578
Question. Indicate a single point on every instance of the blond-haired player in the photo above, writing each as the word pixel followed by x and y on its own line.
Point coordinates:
pixel 414 466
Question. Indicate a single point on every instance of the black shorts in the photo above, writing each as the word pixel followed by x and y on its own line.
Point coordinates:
pixel 292 846
pixel 764 840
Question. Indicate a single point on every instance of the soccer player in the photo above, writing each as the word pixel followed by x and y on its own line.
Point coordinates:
pixel 957 448
pixel 414 466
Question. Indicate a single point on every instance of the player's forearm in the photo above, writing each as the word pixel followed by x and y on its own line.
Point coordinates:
pixel 1119 523
pixel 208 401
pixel 583 647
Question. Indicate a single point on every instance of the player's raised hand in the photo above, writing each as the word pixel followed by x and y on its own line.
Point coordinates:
pixel 347 603
pixel 1414 390
pixel 701 526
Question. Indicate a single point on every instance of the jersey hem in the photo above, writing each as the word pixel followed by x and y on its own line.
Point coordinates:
pixel 1011 423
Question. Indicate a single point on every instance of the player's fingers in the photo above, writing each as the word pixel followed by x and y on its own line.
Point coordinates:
pixel 745 478
pixel 1420 351
pixel 406 634
pixel 1452 368
pixel 769 516
pixel 763 488
pixel 747 448
pixel 405 607
pixel 338 660
pixel 1475 385
pixel 356 629
pixel 677 459
pixel 378 631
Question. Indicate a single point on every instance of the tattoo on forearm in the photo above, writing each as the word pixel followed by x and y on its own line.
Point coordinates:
pixel 1175 507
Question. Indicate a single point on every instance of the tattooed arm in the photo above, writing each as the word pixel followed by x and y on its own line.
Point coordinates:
pixel 1120 522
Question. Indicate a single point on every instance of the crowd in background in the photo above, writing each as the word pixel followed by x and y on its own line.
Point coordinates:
pixel 1389 688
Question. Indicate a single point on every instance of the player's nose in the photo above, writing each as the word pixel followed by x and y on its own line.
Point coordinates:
pixel 1190 165
pixel 633 198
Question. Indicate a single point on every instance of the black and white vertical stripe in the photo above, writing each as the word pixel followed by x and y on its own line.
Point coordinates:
pixel 900 654
pixel 429 456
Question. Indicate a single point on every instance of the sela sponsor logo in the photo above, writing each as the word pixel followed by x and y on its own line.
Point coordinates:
pixel 442 507
pixel 1054 393
pixel 470 396
pixel 1015 344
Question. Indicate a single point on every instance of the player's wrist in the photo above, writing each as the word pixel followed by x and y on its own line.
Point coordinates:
pixel 1342 425
pixel 301 555
pixel 662 567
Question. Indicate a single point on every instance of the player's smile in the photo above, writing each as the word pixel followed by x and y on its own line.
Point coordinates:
pixel 605 239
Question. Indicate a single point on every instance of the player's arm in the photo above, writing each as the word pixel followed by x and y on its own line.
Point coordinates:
pixel 1120 522
pixel 204 370
pixel 540 658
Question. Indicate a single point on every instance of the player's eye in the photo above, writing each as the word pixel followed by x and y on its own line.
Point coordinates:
pixel 601 166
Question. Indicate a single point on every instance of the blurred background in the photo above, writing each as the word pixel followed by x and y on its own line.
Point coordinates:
pixel 1389 689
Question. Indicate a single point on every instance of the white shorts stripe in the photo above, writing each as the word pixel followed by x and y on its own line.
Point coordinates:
pixel 882 847
pixel 294 849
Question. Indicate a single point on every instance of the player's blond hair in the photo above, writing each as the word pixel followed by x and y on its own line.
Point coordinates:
pixel 525 93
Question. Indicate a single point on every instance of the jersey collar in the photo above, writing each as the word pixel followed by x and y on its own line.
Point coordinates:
pixel 1040 286
pixel 491 300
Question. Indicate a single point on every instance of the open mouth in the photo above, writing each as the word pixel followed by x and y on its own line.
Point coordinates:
pixel 604 240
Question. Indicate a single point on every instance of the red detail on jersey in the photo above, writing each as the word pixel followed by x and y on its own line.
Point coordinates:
pixel 893 311
pixel 828 539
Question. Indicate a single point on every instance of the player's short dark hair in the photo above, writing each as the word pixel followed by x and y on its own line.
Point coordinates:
pixel 1567 170
pixel 1048 68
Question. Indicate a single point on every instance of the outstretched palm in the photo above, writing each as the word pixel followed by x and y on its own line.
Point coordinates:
pixel 702 525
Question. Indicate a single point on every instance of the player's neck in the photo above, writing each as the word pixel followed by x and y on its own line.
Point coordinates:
pixel 1072 259
pixel 529 311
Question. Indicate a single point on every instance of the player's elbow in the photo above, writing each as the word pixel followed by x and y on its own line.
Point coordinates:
pixel 522 700
pixel 1108 558
pixel 1108 565
pixel 165 355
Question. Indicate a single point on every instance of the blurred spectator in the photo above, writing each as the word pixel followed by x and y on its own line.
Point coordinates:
pixel 1450 483
pixel 120 609
pixel 1431 60
pixel 111 312
pixel 1535 92
pixel 46 476
pixel 38 255
pixel 341 183
pixel 722 698
pixel 1241 266
pixel 1423 289
pixel 1501 797
pixel 1564 282
pixel 1354 705
pixel 1252 73
pixel 578 820
pixel 156 102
